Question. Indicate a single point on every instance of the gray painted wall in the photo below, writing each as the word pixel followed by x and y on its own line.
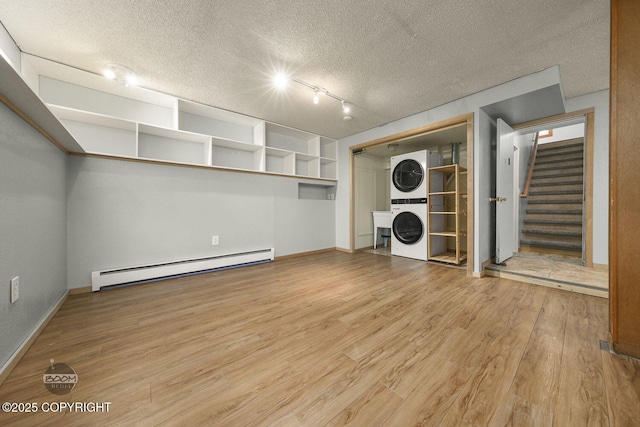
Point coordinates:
pixel 125 214
pixel 33 229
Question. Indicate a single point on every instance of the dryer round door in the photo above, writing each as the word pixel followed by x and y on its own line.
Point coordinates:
pixel 408 228
pixel 407 175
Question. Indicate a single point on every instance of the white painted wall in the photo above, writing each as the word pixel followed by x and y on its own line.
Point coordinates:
pixel 8 49
pixel 564 133
pixel 372 194
pixel 33 229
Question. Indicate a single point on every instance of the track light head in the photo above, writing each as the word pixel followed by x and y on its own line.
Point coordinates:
pixel 345 107
pixel 123 75
pixel 281 80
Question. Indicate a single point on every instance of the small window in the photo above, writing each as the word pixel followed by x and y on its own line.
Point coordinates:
pixel 545 133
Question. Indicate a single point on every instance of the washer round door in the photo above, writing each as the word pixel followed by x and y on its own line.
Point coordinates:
pixel 408 228
pixel 407 175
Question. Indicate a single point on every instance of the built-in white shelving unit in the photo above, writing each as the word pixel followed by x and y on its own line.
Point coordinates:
pixel 107 119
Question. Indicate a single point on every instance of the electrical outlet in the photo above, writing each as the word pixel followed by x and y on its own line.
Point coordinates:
pixel 15 289
pixel 214 241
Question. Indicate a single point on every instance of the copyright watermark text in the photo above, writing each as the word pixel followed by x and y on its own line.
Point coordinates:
pixel 32 407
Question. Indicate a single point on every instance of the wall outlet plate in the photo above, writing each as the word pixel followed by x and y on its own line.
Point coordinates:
pixel 15 289
pixel 215 241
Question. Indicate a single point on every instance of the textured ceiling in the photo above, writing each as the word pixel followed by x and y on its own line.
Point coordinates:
pixel 389 59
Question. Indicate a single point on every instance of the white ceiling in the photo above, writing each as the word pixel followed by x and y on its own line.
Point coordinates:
pixel 389 59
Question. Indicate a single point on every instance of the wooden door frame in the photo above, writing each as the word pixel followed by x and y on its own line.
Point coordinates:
pixel 588 115
pixel 466 119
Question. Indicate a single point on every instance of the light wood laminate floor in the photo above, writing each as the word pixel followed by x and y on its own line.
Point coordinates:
pixel 332 339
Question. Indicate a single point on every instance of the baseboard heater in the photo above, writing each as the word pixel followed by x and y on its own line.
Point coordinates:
pixel 143 273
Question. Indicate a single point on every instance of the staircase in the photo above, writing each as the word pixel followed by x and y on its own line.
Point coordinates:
pixel 553 219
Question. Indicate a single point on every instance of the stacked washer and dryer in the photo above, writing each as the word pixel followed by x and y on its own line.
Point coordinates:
pixel 409 200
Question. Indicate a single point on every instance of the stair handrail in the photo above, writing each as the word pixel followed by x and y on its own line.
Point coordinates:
pixel 532 161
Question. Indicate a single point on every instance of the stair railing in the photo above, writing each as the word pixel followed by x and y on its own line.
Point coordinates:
pixel 532 161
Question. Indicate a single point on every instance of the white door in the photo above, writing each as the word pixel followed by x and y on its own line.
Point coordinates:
pixel 506 227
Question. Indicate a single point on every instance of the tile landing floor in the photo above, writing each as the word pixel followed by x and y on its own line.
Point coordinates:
pixel 553 270
pixel 549 270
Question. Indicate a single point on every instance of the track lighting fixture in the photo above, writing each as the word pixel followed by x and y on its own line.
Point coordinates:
pixel 281 80
pixel 123 75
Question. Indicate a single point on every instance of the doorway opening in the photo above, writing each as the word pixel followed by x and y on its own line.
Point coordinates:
pixel 370 175
pixel 553 238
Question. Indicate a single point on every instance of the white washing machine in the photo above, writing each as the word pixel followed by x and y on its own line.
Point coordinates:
pixel 409 178
pixel 409 228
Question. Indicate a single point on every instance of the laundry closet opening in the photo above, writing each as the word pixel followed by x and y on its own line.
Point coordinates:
pixel 372 189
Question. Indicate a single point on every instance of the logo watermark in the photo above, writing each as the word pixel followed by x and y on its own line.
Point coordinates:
pixel 60 378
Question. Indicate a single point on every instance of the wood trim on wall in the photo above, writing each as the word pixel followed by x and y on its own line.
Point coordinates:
pixel 466 119
pixel 613 173
pixel 193 166
pixel 624 217
pixel 31 122
pixel 26 344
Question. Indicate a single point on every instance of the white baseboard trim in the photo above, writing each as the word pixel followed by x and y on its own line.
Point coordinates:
pixel 28 342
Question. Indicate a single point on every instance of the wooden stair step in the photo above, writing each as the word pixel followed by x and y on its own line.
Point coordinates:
pixel 563 222
pixel 555 211
pixel 557 167
pixel 556 202
pixel 576 246
pixel 554 192
pixel 558 173
pixel 549 153
pixel 559 145
pixel 553 183
pixel 575 159
pixel 552 232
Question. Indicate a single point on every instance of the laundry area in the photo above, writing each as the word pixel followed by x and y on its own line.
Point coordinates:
pixel 411 198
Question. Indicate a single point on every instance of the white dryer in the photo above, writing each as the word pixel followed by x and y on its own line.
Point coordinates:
pixel 409 174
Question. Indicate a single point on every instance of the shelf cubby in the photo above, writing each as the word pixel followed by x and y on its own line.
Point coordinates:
pixel 174 146
pixel 236 155
pixel 447 214
pixel 280 161
pixel 57 92
pixel 99 134
pixel 198 118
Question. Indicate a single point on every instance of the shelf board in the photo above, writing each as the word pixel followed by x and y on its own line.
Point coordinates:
pixel 327 160
pixel 173 134
pixel 443 233
pixel 449 169
pixel 279 152
pixel 302 156
pixel 443 193
pixel 449 257
pixel 217 114
pixel 20 96
pixel 290 132
pixel 442 213
pixel 236 145
pixel 66 113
